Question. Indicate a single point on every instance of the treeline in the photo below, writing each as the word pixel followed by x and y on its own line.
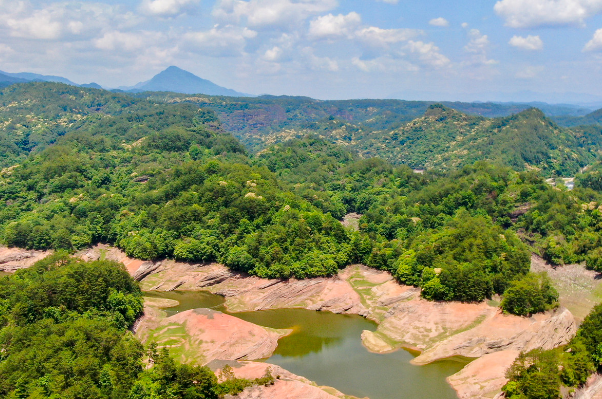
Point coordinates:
pixel 64 334
pixel 541 374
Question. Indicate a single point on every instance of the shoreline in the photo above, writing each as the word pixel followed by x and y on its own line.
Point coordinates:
pixel 431 331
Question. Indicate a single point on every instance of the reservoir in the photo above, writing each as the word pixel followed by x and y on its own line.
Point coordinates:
pixel 327 348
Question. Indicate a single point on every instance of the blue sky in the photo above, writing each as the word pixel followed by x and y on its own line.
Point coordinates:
pixel 329 49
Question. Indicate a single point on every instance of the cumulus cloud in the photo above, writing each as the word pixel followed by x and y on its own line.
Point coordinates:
pixel 533 13
pixel 274 54
pixel 439 22
pixel 428 53
pixel 530 42
pixel 319 63
pixel 263 13
pixel 167 8
pixel 116 40
pixel 41 25
pixel 62 20
pixel 221 41
pixel 386 64
pixel 595 43
pixel 478 46
pixel 334 26
pixel 382 38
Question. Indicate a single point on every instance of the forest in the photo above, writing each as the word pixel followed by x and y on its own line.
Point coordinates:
pixel 167 180
pixel 64 333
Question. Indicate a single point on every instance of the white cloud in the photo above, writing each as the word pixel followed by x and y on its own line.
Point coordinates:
pixel 428 53
pixel 116 40
pixel 478 42
pixel 464 25
pixel 274 54
pixel 221 41
pixel 377 37
pixel 263 13
pixel 389 1
pixel 478 46
pixel 41 25
pixel 595 43
pixel 384 64
pixel 532 13
pixel 167 8
pixel 530 42
pixel 319 63
pixel 334 26
pixel 439 22
pixel 62 20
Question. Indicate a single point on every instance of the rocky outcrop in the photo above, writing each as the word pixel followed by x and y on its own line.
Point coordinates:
pixel 484 377
pixel 286 386
pixel 591 390
pixel 13 259
pixel 204 335
pixel 505 332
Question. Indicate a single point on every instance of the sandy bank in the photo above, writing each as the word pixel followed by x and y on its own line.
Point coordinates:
pixel 13 259
pixel 204 335
pixel 286 386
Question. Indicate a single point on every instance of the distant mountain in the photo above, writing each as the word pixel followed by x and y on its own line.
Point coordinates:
pixel 593 118
pixel 6 80
pixel 177 80
pixel 92 86
pixel 28 76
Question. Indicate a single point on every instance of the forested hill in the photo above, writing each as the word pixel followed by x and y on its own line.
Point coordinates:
pixel 420 134
pixel 446 139
pixel 34 116
pixel 593 118
pixel 166 180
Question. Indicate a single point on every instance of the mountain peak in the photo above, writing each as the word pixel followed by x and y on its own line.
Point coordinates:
pixel 178 80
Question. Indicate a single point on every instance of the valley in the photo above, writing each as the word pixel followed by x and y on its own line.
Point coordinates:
pixel 312 245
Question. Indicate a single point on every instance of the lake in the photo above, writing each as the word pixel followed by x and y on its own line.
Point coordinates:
pixel 327 348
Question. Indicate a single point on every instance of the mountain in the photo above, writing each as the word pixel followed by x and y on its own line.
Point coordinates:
pixel 177 80
pixel 593 118
pixel 446 139
pixel 92 86
pixel 28 76
pixel 6 80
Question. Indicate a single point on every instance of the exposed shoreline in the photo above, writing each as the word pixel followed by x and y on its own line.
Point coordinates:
pixel 435 331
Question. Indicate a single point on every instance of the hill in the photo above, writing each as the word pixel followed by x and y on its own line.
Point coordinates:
pixel 6 80
pixel 593 118
pixel 36 77
pixel 446 139
pixel 409 132
pixel 177 80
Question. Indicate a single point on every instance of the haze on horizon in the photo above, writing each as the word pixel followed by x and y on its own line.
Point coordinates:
pixel 465 50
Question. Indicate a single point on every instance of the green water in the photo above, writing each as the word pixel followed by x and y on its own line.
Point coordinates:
pixel 327 348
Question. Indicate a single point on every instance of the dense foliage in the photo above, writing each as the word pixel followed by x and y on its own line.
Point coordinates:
pixel 63 334
pixel 165 180
pixel 541 374
pixel 419 134
pixel 530 294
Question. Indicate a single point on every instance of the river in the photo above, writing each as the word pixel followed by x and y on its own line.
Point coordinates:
pixel 326 348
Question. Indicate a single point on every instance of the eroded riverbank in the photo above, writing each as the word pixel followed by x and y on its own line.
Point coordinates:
pixel 326 348
pixel 438 330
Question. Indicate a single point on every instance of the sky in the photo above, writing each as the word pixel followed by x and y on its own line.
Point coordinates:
pixel 506 50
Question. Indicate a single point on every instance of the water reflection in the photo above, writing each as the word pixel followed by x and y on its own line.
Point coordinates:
pixel 326 348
